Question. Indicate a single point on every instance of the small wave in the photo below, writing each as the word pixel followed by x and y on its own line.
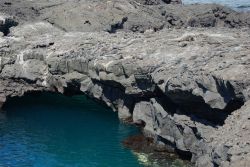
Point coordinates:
pixel 243 6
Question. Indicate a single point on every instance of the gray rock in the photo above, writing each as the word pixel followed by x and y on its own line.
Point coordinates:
pixel 119 15
pixel 185 86
pixel 5 23
pixel 143 111
pixel 231 141
pixel 157 2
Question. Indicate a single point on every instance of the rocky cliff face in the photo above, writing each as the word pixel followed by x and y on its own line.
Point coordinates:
pixel 189 87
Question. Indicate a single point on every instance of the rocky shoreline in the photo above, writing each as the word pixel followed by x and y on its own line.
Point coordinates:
pixel 181 72
pixel 153 154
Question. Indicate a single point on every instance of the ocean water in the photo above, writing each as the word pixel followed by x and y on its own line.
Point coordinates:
pixel 239 5
pixel 49 130
pixel 56 131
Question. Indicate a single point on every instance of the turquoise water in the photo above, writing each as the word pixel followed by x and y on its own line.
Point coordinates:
pixel 57 131
pixel 241 5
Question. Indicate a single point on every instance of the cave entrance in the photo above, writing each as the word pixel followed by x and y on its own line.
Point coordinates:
pixel 48 129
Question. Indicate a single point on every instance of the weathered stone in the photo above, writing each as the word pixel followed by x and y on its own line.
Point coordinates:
pixel 5 23
pixel 119 15
pixel 180 85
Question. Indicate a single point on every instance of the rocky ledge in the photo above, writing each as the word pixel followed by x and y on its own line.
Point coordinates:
pixel 188 88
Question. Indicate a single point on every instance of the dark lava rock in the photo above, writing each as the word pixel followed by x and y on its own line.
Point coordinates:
pixel 6 22
pixel 157 2
pixel 188 88
pixel 161 154
pixel 141 15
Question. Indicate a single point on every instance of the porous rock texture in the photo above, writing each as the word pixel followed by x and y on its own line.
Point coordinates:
pixel 126 15
pixel 188 87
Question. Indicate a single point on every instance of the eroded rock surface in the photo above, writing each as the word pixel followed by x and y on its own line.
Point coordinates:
pixel 181 84
pixel 188 86
pixel 123 15
pixel 6 22
pixel 230 144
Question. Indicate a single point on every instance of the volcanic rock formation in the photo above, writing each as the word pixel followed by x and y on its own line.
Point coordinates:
pixel 189 87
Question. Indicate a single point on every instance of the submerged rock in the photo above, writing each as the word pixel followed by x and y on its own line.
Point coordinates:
pixel 151 154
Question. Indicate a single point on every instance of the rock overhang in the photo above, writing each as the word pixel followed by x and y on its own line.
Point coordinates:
pixel 189 81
